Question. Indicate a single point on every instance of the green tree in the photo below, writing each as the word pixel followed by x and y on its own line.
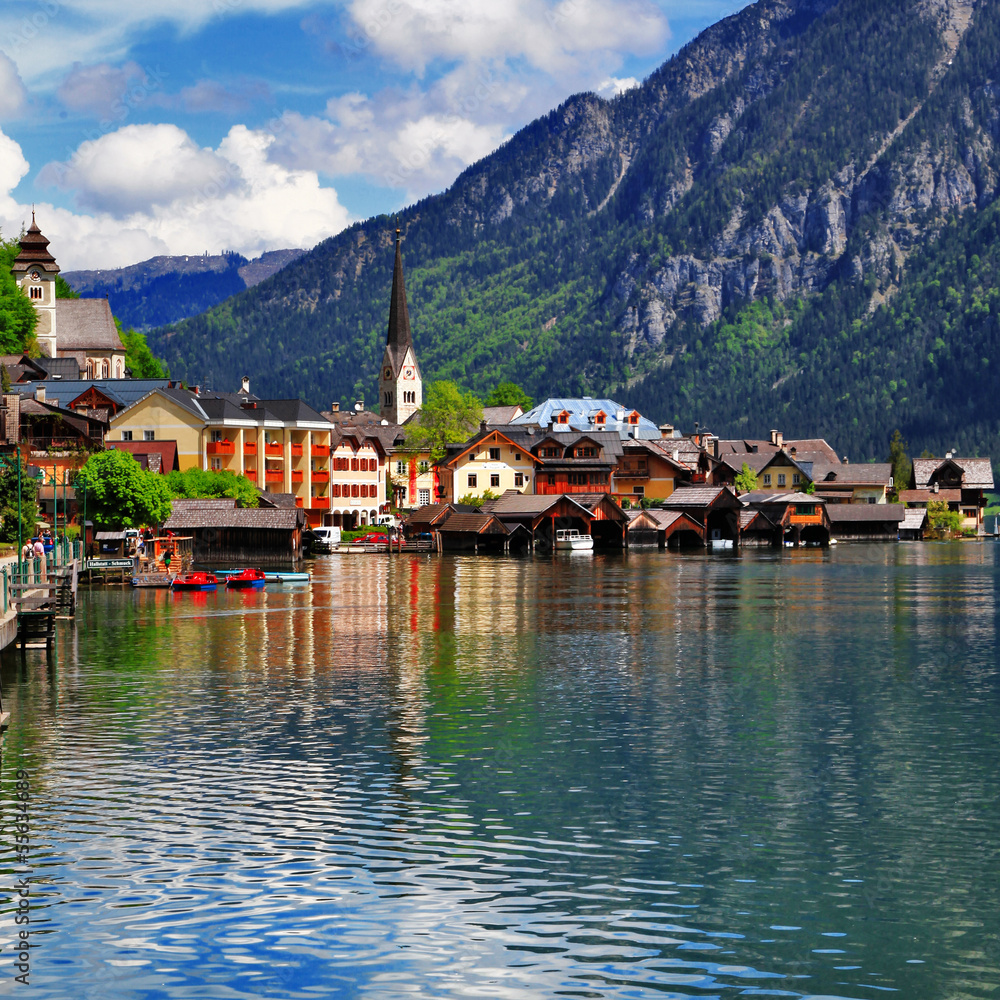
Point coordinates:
pixel 121 494
pixel 902 467
pixel 471 500
pixel 943 522
pixel 746 480
pixel 4 379
pixel 138 357
pixel 17 315
pixel 201 483
pixel 64 290
pixel 509 394
pixel 449 416
pixel 8 501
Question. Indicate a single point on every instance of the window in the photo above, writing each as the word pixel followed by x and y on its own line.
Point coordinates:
pixel 216 464
pixel 871 499
pixel 600 419
pixel 767 478
pixel 494 454
pixel 126 435
pixel 401 468
pixel 633 418
pixel 586 452
pixel 805 509
pixel 552 479
pixel 149 435
pixel 335 489
pixel 472 481
pixel 35 292
pixel 550 453
pixel 425 497
pixel 105 369
pixel 563 418
pixel 517 456
pixel 781 479
pixel 639 491
pixel 424 467
pixel 388 399
pixel 354 465
pixel 355 491
pixel 518 479
pixel 216 437
pixel 494 481
pixel 796 479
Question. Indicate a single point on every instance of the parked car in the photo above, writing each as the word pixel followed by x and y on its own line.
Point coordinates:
pixel 324 539
pixel 373 538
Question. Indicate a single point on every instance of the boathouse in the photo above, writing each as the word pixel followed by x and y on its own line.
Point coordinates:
pixel 865 522
pixel 665 528
pixel 715 508
pixel 802 517
pixel 225 534
pixel 594 514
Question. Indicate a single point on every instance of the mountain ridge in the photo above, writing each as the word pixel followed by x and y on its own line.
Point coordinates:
pixel 798 151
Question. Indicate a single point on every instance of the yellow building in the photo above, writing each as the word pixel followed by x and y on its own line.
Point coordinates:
pixel 281 445
pixel 490 461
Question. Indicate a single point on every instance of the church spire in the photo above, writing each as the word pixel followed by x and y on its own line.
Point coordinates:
pixel 399 316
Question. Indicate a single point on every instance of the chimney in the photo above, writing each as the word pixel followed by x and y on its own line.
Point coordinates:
pixel 676 454
pixel 666 430
pixel 936 487
pixel 196 389
pixel 40 393
pixel 776 438
pixel 947 454
pixel 335 407
pixel 245 387
pixel 359 406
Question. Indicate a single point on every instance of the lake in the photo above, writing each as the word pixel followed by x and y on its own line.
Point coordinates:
pixel 634 776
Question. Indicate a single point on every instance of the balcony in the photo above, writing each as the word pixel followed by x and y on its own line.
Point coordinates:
pixel 221 448
pixel 805 518
pixel 631 472
pixel 250 473
pixel 319 503
pixel 299 502
pixel 555 489
pixel 298 476
pixel 274 451
pixel 321 450
pixel 296 451
pixel 250 448
pixel 274 477
pixel 320 476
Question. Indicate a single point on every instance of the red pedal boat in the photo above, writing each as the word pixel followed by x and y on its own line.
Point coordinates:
pixel 247 579
pixel 194 581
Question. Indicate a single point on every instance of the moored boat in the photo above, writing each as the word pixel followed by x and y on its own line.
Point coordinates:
pixel 283 577
pixel 246 579
pixel 153 580
pixel 570 540
pixel 195 581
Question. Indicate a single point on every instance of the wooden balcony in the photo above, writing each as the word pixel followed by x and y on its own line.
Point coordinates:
pixel 298 476
pixel 321 450
pixel 250 448
pixel 627 472
pixel 319 503
pixel 274 451
pixel 296 451
pixel 320 476
pixel 221 448
pixel 806 518
pixel 274 477
pixel 549 489
pixel 250 473
pixel 299 502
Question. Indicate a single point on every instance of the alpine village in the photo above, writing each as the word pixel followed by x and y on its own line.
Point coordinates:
pixel 574 474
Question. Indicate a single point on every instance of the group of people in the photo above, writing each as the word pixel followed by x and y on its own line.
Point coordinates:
pixel 35 548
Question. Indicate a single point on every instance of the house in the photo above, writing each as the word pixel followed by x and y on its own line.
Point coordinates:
pixel 154 456
pixel 647 470
pixel 81 329
pixel 489 461
pixel 474 531
pixel 715 508
pixel 802 518
pixel 866 522
pixel 961 483
pixel 665 528
pixel 281 445
pixel 224 534
pixel 541 515
pixel 570 461
pixel 500 416
pixel 854 483
pixel 356 474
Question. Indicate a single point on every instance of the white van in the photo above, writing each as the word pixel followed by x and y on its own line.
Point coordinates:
pixel 389 521
pixel 325 539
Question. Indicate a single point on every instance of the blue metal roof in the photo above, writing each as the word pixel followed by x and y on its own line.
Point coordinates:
pixel 124 390
pixel 582 413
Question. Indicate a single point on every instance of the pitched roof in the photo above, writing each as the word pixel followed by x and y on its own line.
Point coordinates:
pixel 167 450
pixel 477 523
pixel 122 390
pixel 696 496
pixel 191 514
pixel 977 473
pixel 500 415
pixel 806 449
pixel 398 338
pixel 859 473
pixel 86 324
pixel 925 496
pixel 851 512
pixel 749 515
pixel 35 251
pixel 513 503
pixel 582 412
pixel 290 410
pixel 914 519
pixel 760 498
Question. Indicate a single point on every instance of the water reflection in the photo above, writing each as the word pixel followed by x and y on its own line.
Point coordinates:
pixel 650 775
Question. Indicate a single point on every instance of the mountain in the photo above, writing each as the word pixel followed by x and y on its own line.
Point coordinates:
pixel 792 223
pixel 167 289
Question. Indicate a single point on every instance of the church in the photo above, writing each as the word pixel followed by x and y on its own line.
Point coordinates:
pixel 82 330
pixel 400 386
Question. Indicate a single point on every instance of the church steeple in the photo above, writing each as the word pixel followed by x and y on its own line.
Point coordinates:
pixel 400 385
pixel 35 269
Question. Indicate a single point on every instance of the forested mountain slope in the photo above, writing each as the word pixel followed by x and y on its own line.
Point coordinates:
pixel 791 223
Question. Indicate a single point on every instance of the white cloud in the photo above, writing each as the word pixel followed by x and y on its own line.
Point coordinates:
pixel 615 85
pixel 251 206
pixel 550 35
pixel 99 89
pixel 11 89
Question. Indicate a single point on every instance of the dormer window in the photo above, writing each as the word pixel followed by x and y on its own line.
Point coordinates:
pixel 601 419
pixel 633 418
pixel 562 418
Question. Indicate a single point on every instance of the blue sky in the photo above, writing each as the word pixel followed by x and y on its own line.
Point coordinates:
pixel 178 126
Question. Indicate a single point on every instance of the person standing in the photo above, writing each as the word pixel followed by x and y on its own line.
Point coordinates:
pixel 39 552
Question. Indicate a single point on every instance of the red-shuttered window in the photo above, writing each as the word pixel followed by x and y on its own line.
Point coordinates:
pixel 354 489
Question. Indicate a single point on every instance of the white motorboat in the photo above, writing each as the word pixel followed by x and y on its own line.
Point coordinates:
pixel 570 540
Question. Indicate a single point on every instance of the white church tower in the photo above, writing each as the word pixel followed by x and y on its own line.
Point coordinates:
pixel 400 387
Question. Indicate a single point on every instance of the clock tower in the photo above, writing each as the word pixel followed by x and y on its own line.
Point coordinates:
pixel 400 388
